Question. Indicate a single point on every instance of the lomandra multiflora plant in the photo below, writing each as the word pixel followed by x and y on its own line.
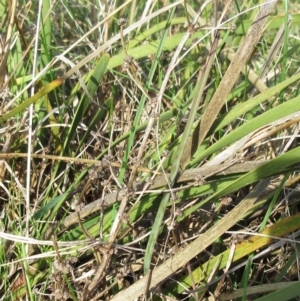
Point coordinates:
pixel 149 150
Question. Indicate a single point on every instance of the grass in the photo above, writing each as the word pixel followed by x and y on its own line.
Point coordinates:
pixel 149 150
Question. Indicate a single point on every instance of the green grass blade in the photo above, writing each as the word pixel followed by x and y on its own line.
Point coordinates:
pixel 284 294
pixel 245 107
pixel 85 101
pixel 267 117
pixel 20 108
pixel 275 166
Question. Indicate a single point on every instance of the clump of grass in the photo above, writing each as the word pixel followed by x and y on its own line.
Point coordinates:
pixel 149 150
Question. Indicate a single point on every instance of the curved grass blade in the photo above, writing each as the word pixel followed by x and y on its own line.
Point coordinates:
pixel 245 107
pixel 264 119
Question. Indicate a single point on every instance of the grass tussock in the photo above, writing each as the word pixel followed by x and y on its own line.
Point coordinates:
pixel 149 150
